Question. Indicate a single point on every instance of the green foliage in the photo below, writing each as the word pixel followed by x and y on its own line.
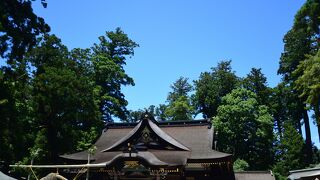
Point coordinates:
pixel 180 88
pixel 245 128
pixel 64 99
pixel 86 139
pixel 309 83
pixel 279 176
pixel 15 113
pixel 301 40
pixel 257 83
pixel 19 28
pixel 136 116
pixel 92 150
pixel 108 58
pixel 289 151
pixel 161 112
pixel 54 96
pixel 240 165
pixel 179 107
pixel 284 106
pixel 212 86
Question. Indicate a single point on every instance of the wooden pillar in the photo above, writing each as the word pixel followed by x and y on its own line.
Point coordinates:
pixel 182 174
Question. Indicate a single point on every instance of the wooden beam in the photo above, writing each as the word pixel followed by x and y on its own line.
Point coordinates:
pixel 61 166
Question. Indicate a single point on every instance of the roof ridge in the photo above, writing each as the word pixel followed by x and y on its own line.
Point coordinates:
pixel 179 123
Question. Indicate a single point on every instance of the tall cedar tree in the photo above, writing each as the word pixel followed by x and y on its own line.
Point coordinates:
pixel 283 107
pixel 108 58
pixel 180 107
pixel 257 83
pixel 19 28
pixel 302 39
pixel 309 84
pixel 65 101
pixel 16 134
pixel 212 86
pixel 289 152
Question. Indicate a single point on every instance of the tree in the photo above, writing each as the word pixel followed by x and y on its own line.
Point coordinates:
pixel 180 87
pixel 309 84
pixel 108 59
pixel 19 28
pixel 160 112
pixel 65 99
pixel 15 117
pixel 240 165
pixel 285 114
pixel 257 83
pixel 212 86
pixel 289 151
pixel 283 106
pixel 300 40
pixel 135 116
pixel 245 129
pixel 179 107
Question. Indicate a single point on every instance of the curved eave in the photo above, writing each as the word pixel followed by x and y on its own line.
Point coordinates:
pixel 215 156
pixel 79 156
pixel 161 134
pixel 166 137
pixel 125 138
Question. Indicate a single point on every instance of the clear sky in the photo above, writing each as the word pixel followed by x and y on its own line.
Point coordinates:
pixel 179 37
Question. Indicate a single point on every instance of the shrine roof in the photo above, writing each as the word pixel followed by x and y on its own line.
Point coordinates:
pixel 189 141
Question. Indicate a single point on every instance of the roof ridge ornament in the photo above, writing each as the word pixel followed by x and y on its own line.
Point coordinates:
pixel 148 116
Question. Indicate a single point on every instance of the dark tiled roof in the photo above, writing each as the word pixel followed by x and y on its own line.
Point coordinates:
pixel 254 175
pixel 311 173
pixel 198 139
pixel 5 177
pixel 193 138
pixel 154 128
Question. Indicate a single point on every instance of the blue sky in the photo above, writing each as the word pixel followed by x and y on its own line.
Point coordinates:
pixel 179 38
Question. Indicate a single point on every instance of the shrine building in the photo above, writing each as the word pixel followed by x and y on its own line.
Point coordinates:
pixel 152 150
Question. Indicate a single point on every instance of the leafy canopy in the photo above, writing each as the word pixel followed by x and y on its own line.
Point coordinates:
pixel 19 28
pixel 108 58
pixel 179 107
pixel 245 128
pixel 212 86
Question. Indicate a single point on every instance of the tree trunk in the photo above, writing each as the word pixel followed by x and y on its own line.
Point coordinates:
pixel 279 126
pixel 299 126
pixel 317 116
pixel 308 135
pixel 52 140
